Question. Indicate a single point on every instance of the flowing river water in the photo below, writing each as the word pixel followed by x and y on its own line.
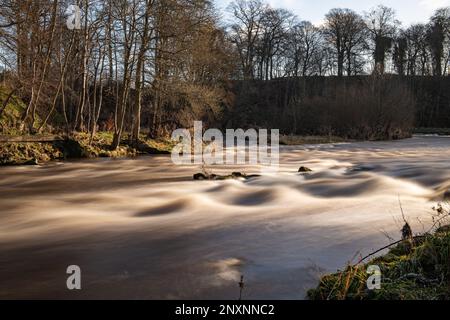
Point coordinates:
pixel 143 229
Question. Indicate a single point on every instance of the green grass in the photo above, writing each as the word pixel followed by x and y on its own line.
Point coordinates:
pixel 28 153
pixel 12 112
pixel 10 119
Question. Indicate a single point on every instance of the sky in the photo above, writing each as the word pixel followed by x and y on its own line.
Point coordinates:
pixel 408 11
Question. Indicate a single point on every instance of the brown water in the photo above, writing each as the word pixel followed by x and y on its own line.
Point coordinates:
pixel 142 229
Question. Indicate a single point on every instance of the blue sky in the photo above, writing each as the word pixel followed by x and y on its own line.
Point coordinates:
pixel 408 11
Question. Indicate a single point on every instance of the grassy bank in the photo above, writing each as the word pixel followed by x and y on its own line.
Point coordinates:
pixel 417 269
pixel 78 146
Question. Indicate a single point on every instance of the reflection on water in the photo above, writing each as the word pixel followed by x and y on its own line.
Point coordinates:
pixel 142 229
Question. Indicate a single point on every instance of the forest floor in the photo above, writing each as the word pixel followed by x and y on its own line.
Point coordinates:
pixel 78 146
pixel 416 269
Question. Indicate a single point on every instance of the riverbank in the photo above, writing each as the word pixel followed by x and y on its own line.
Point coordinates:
pixel 78 146
pixel 436 131
pixel 416 269
pixel 34 152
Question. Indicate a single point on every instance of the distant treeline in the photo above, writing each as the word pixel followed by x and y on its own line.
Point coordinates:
pixel 122 66
pixel 360 107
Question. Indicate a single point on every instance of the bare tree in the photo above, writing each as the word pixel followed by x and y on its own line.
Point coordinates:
pixel 354 41
pixel 437 35
pixel 382 25
pixel 275 25
pixel 126 14
pixel 400 53
pixel 246 30
pixel 416 43
pixel 303 44
pixel 344 30
pixel 145 38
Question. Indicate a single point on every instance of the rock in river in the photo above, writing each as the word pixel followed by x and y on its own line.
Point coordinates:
pixel 304 170
pixel 234 175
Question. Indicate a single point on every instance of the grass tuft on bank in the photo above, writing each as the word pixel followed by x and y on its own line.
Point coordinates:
pixel 416 269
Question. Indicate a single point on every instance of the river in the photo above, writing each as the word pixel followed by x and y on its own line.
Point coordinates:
pixel 143 229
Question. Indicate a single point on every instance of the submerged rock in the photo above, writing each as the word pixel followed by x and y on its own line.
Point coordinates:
pixel 304 170
pixel 31 162
pixel 363 168
pixel 201 176
pixel 447 195
pixel 234 175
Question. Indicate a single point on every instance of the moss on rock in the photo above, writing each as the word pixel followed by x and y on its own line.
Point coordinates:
pixel 12 112
pixel 28 153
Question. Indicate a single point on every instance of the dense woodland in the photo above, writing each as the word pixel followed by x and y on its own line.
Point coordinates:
pixel 146 67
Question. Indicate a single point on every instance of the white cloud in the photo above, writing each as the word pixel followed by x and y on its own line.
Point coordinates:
pixel 283 3
pixel 434 4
